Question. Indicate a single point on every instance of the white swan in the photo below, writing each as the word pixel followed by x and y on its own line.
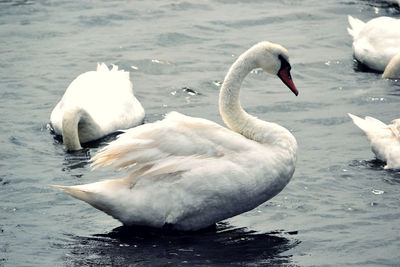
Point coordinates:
pixel 377 42
pixel 189 173
pixel 385 139
pixel 95 104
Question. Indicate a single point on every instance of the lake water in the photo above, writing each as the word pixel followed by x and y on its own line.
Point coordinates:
pixel 341 207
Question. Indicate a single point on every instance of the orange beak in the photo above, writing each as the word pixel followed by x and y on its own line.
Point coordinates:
pixel 284 75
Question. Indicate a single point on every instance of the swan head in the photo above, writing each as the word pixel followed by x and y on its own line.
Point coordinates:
pixel 274 59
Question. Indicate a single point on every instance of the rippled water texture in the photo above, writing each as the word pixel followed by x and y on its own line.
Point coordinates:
pixel 341 207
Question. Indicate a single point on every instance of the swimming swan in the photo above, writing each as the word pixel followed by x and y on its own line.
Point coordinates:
pixel 188 173
pixel 376 43
pixel 95 104
pixel 385 139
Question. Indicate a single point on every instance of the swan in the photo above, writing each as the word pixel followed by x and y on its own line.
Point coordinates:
pixel 94 105
pixel 376 43
pixel 385 139
pixel 188 173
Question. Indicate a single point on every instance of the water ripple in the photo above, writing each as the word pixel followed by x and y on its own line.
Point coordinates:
pixel 174 39
pixel 220 245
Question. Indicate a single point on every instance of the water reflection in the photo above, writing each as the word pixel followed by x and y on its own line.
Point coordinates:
pixel 393 87
pixel 221 245
pixel 76 159
pixel 384 4
pixel 360 67
pixel 16 2
pixel 80 158
pixel 375 164
pixel 389 176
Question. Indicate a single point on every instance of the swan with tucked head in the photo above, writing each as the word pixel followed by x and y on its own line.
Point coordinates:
pixel 376 44
pixel 94 105
pixel 188 173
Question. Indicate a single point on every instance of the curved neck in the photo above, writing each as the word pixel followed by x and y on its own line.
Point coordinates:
pixel 392 70
pixel 238 120
pixel 70 133
pixel 229 103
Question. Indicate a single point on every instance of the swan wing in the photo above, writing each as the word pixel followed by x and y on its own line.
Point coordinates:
pixel 174 144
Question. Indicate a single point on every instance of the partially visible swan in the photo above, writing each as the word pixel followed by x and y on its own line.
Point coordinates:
pixel 394 2
pixel 377 42
pixel 95 104
pixel 188 173
pixel 392 70
pixel 385 139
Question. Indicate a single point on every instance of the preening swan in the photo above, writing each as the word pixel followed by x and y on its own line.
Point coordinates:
pixel 189 173
pixel 376 43
pixel 385 139
pixel 95 104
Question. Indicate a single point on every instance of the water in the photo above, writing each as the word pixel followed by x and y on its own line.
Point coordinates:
pixel 341 207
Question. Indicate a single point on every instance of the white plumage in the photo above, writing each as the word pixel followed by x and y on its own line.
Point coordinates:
pixel 385 139
pixel 189 173
pixel 95 104
pixel 376 43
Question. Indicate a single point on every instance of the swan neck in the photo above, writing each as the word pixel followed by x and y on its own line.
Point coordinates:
pixel 241 122
pixel 70 133
pixel 392 70
pixel 229 103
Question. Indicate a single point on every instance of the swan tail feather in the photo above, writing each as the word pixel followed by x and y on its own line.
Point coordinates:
pixel 356 26
pixel 102 68
pixel 78 192
pixel 95 194
pixel 375 122
pixel 368 124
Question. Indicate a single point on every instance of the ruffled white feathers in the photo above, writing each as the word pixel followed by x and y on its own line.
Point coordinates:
pixel 385 139
pixel 95 104
pixel 376 43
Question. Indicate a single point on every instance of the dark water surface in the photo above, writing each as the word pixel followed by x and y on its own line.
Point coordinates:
pixel 341 207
